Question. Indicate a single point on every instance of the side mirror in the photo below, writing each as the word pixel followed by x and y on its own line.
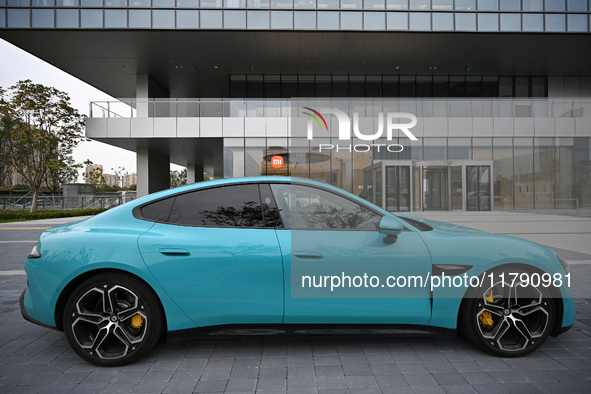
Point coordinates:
pixel 390 227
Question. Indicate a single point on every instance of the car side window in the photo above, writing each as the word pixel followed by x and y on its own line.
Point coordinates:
pixel 308 208
pixel 158 211
pixel 227 206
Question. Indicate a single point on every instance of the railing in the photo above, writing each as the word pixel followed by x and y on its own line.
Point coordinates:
pixel 62 203
pixel 538 208
pixel 449 107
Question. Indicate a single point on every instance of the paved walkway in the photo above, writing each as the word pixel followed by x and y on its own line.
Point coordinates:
pixel 34 359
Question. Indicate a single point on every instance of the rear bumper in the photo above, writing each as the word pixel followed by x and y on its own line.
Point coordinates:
pixel 26 316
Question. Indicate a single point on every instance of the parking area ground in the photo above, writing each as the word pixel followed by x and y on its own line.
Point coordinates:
pixel 34 359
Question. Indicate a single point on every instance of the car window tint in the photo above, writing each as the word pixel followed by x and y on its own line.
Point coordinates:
pixel 309 208
pixel 270 211
pixel 229 206
pixel 158 211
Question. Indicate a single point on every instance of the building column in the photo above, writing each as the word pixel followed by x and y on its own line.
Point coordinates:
pixel 153 172
pixel 142 95
pixel 194 173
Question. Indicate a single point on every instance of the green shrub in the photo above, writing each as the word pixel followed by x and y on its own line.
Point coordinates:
pixel 48 214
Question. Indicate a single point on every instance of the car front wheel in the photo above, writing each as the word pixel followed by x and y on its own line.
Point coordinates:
pixel 508 318
pixel 113 319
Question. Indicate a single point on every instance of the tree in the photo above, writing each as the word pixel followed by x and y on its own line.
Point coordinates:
pixel 42 130
pixel 178 178
pixel 93 174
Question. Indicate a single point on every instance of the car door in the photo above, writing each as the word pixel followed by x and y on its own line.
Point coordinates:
pixel 330 238
pixel 216 255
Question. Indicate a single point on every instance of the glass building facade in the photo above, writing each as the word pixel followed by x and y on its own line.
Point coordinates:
pixel 371 15
pixel 500 89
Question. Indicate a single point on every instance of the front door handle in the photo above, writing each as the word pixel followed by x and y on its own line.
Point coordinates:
pixel 309 255
pixel 174 252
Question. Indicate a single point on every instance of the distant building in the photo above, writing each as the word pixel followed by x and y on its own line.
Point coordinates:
pixel 111 180
pixel 129 179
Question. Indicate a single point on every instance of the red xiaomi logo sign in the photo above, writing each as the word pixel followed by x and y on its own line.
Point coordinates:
pixel 277 161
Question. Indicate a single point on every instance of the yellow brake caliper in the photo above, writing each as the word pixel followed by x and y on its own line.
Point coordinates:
pixel 137 321
pixel 485 317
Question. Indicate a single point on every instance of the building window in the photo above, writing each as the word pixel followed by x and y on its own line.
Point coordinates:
pixel 465 22
pixel 577 5
pixel 140 19
pixel 443 21
pixel 41 3
pixel 397 21
pixel 577 22
pixel 234 19
pixel 18 18
pixel 257 20
pixel 488 22
pixel 163 3
pixel 91 18
pixel 510 22
pixel 533 22
pixel 304 20
pixel 187 19
pixel 91 3
pixel 328 20
pixel 443 5
pixel 211 19
pixel 488 5
pixel 555 22
pixel 115 18
pixel 510 5
pixel 66 18
pixel 466 5
pixel 533 5
pixel 43 18
pixel 374 20
pixel 422 5
pixel 555 5
pixel 282 20
pixel 420 21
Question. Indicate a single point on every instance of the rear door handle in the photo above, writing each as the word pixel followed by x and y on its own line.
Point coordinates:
pixel 309 255
pixel 174 252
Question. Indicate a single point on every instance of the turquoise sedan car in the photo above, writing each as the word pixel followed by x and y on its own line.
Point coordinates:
pixel 285 251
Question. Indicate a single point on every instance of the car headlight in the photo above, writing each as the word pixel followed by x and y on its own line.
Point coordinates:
pixel 564 264
pixel 35 254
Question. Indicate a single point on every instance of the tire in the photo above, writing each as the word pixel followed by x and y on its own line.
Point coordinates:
pixel 113 319
pixel 505 320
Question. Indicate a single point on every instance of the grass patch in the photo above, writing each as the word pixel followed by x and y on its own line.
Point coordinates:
pixel 22 215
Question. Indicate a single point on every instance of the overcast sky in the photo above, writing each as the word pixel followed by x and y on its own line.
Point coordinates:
pixel 17 65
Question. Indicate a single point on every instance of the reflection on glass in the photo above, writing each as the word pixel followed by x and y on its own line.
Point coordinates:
pixel 510 5
pixel 478 188
pixel 233 157
pixel 67 18
pixel 163 19
pixel 533 22
pixel 18 17
pixel 503 173
pixel 555 22
pixel 305 20
pixel 488 5
pixel 115 18
pixel 434 148
pixel 488 22
pixel 305 4
pixel 235 20
pixel 91 3
pixel 577 5
pixel 465 22
pixel 328 20
pixel 91 18
pixel 420 4
pixel 398 188
pixel 210 19
pixel 115 3
pixel 257 3
pixel 435 188
pixel 523 167
pixel 187 3
pixel 281 20
pixel 459 148
pixel 351 21
pixel 465 5
pixel 572 182
pixel 555 5
pixel 443 21
pixel 397 4
pixel 139 3
pixel 511 22
pixel 533 5
pixel 397 21
pixel 234 4
pixel 42 18
pixel 544 172
pixel 287 4
pixel 307 208
pixel 420 21
pixel 163 3
pixel 443 5
pixel 140 19
pixel 187 19
pixel 40 3
pixel 456 187
pixel 374 21
pixel 257 19
pixel 374 4
pixel 577 22
pixel 351 4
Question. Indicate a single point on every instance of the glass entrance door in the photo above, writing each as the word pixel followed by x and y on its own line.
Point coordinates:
pixel 435 188
pixel 398 188
pixel 478 188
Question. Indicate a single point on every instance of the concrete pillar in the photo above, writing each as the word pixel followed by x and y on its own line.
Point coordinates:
pixel 153 171
pixel 194 173
pixel 142 95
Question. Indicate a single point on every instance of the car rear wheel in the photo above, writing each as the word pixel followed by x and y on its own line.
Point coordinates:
pixel 507 317
pixel 113 319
